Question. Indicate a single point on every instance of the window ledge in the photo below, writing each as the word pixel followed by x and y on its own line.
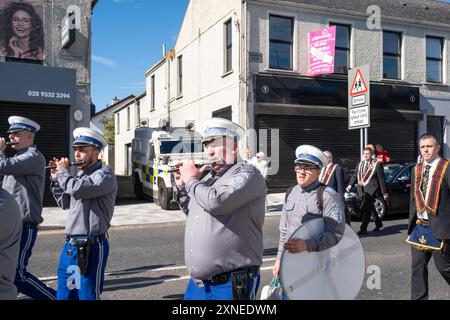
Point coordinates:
pixel 227 73
pixel 394 80
pixel 282 71
pixel 437 84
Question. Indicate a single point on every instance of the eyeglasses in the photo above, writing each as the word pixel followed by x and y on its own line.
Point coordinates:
pixel 24 20
pixel 300 167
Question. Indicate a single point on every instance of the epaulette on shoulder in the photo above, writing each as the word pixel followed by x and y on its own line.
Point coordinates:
pixel 330 191
pixel 248 167
pixel 105 168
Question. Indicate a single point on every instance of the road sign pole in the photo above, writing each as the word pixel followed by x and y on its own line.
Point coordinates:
pixel 366 137
pixel 361 142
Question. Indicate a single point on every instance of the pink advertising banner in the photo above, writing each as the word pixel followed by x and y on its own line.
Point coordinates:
pixel 321 47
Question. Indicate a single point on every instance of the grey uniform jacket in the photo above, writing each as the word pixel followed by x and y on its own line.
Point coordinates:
pixel 301 206
pixel 90 197
pixel 10 235
pixel 24 178
pixel 225 217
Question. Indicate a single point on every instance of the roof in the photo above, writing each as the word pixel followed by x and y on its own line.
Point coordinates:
pixel 93 3
pixel 155 66
pixel 126 104
pixel 115 105
pixel 422 10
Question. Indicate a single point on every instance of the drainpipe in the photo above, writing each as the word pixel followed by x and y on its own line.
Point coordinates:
pixel 168 87
pixel 243 68
pixel 169 57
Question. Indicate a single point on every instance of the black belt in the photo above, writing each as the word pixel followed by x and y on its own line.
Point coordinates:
pixel 89 239
pixel 253 272
pixel 30 225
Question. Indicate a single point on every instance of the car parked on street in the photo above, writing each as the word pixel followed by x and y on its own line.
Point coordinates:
pixel 398 182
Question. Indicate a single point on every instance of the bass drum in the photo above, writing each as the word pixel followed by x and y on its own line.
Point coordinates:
pixel 336 273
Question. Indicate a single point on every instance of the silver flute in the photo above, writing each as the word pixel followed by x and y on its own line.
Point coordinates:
pixel 198 165
pixel 70 164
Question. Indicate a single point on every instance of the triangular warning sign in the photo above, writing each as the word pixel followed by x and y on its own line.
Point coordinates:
pixel 359 85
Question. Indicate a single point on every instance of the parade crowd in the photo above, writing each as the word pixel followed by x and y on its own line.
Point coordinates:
pixel 225 204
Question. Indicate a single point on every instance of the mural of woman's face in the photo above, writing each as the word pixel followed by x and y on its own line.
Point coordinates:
pixel 21 24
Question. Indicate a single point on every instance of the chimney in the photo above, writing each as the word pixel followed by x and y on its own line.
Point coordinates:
pixel 114 101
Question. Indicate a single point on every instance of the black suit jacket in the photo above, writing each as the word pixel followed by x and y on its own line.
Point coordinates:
pixel 377 183
pixel 337 180
pixel 439 224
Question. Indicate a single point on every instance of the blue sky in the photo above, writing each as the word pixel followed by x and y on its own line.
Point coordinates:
pixel 127 39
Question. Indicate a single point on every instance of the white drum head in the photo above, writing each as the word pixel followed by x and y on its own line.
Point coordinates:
pixel 333 274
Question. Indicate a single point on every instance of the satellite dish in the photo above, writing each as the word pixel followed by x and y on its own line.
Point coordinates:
pixel 336 273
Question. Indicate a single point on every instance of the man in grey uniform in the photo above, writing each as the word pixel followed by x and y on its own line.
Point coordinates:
pixel 10 235
pixel 225 216
pixel 303 202
pixel 24 179
pixel 90 197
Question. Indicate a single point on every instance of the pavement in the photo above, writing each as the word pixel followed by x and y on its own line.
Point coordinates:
pixel 133 212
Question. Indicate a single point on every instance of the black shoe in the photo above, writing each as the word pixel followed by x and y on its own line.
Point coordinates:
pixel 362 233
pixel 377 228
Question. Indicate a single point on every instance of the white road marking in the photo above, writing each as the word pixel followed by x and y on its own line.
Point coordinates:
pixel 147 282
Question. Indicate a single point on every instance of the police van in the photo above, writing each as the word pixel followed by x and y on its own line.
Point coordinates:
pixel 154 153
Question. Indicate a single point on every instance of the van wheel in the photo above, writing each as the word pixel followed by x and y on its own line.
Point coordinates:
pixel 163 196
pixel 138 189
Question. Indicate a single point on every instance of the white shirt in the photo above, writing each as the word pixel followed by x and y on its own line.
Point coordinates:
pixel 262 166
pixel 433 165
pixel 251 160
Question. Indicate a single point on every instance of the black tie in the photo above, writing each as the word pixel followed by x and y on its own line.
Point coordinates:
pixel 366 166
pixel 425 177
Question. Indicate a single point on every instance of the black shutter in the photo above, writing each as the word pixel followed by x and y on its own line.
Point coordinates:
pixel 53 138
pixel 326 133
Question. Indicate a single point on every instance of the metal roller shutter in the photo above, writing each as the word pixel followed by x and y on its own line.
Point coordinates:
pixel 53 138
pixel 326 133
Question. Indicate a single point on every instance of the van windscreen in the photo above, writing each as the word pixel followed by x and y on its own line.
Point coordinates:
pixel 181 146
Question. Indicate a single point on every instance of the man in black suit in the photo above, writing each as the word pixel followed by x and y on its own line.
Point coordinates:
pixel 370 176
pixel 333 176
pixel 429 211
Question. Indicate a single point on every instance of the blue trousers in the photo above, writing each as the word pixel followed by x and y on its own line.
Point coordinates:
pixel 25 282
pixel 74 286
pixel 218 291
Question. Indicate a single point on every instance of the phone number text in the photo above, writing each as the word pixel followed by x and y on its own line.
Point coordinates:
pixel 46 94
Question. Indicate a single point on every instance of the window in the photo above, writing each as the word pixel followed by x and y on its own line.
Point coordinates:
pixel 118 123
pixel 436 125
pixel 342 53
pixel 138 113
pixel 281 42
pixel 224 113
pixel 434 59
pixel 180 75
pixel 228 47
pixel 391 55
pixel 128 118
pixel 152 98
